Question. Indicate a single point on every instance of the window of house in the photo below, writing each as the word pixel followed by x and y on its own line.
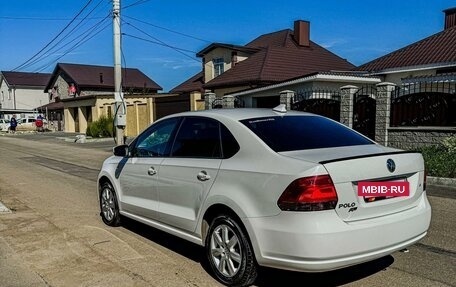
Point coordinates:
pixel 218 66
pixel 9 94
pixel 3 97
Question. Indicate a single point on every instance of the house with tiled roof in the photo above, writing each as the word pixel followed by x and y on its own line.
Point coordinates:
pixel 269 59
pixel 432 56
pixel 81 94
pixel 22 92
pixel 422 80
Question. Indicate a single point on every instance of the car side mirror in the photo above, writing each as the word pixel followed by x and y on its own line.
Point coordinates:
pixel 120 150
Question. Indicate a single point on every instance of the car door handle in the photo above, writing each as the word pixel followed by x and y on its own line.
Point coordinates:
pixel 151 171
pixel 203 176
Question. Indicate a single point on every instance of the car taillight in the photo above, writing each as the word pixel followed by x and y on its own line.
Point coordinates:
pixel 309 194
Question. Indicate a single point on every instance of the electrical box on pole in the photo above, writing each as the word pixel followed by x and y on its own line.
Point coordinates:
pixel 120 119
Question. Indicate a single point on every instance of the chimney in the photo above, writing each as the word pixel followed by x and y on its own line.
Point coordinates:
pixel 302 32
pixel 450 18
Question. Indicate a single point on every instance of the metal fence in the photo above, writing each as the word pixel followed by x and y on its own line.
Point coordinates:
pixel 424 104
pixel 220 103
pixel 325 102
pixel 364 111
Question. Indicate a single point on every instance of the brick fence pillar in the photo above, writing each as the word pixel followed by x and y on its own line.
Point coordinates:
pixel 382 112
pixel 286 97
pixel 228 102
pixel 346 104
pixel 209 98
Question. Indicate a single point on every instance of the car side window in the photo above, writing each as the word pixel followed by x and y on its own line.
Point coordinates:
pixel 198 137
pixel 229 144
pixel 155 141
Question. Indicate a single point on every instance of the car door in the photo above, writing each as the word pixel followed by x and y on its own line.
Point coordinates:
pixel 137 177
pixel 187 175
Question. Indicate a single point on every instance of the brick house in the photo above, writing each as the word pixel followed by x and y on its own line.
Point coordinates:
pixel 404 99
pixel 83 93
pixel 269 59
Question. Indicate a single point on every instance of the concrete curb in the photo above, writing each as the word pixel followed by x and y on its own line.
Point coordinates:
pixel 450 182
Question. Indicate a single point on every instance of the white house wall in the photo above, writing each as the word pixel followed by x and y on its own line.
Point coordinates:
pixel 227 60
pixel 22 98
pixel 6 97
pixel 396 77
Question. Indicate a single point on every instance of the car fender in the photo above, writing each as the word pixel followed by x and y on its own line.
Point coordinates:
pixel 203 226
pixel 107 172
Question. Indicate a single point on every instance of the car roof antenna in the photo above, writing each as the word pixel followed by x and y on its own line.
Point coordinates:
pixel 282 108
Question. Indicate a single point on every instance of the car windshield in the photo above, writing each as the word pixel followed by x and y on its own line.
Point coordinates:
pixel 289 133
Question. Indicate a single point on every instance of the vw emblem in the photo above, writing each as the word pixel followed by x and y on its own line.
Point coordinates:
pixel 391 165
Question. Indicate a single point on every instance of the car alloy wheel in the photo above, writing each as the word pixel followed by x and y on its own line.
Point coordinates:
pixel 226 250
pixel 108 205
pixel 229 253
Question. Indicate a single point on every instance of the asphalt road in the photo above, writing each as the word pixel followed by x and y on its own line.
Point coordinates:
pixel 55 237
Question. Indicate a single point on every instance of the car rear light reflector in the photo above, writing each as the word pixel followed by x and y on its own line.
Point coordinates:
pixel 309 194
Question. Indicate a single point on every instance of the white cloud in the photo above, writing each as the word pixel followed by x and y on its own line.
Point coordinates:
pixel 333 42
pixel 172 63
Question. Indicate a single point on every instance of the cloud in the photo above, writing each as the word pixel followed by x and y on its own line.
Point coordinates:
pixel 172 63
pixel 333 42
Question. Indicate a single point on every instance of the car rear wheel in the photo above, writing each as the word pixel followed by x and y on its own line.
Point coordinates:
pixel 229 253
pixel 109 206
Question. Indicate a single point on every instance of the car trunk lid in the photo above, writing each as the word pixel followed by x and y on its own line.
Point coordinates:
pixel 348 166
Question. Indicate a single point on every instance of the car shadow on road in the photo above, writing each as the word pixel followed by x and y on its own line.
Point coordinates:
pixel 275 277
pixel 267 276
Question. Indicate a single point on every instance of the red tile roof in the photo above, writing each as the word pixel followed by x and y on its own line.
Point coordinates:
pixel 26 79
pixel 280 58
pixel 437 49
pixel 88 76
pixel 195 83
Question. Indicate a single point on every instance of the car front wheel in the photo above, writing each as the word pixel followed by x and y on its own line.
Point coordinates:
pixel 229 253
pixel 109 206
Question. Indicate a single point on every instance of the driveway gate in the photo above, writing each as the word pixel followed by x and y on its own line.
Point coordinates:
pixel 364 106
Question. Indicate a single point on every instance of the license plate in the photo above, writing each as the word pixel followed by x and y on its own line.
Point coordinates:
pixel 384 189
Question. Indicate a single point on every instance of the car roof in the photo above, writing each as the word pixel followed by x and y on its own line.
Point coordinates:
pixel 241 113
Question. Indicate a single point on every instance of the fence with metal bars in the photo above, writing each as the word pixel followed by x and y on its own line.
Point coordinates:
pixel 424 104
pixel 364 110
pixel 325 102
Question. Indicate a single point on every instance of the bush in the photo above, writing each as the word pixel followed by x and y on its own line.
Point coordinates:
pixel 103 127
pixel 440 160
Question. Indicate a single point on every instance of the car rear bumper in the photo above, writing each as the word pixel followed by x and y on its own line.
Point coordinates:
pixel 321 241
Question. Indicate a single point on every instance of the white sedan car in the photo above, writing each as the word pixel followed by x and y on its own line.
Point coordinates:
pixel 4 125
pixel 273 188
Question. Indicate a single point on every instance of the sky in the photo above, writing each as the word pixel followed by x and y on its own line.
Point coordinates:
pixel 161 38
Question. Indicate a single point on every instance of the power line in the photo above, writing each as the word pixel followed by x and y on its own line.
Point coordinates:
pixel 139 2
pixel 90 33
pixel 68 37
pixel 163 43
pixel 169 30
pixel 158 43
pixel 53 39
pixel 43 19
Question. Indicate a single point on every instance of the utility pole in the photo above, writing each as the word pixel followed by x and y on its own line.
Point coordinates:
pixel 120 112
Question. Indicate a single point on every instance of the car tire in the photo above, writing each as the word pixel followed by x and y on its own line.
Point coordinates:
pixel 109 207
pixel 229 253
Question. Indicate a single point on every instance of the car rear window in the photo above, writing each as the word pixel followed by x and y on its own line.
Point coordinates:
pixel 290 133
